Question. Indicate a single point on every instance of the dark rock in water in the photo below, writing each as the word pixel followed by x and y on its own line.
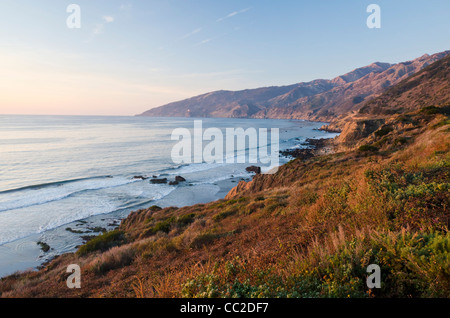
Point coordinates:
pixel 158 181
pixel 114 223
pixel 298 153
pixel 314 147
pixel 173 182
pixel 154 177
pixel 97 229
pixel 69 229
pixel 140 177
pixel 180 179
pixel 44 246
pixel 254 169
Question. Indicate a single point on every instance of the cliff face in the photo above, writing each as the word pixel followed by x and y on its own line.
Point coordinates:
pixel 316 100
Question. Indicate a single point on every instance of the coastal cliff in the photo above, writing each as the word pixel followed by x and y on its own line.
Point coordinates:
pixel 310 230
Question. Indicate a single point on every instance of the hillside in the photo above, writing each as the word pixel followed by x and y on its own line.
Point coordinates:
pixel 310 230
pixel 425 89
pixel 316 100
pixel 429 87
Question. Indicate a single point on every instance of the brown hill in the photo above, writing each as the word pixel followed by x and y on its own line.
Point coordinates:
pixel 429 87
pixel 424 90
pixel 315 100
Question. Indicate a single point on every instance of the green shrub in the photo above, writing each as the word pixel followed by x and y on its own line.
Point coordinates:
pixel 433 110
pixel 368 148
pixel 185 219
pixel 271 207
pixel 163 226
pixel 204 239
pixel 224 214
pixel 102 242
pixel 401 141
pixel 383 131
pixel 252 207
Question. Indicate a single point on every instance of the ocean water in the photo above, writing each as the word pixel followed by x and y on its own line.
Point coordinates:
pixel 57 170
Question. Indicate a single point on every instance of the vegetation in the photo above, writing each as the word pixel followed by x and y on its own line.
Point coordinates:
pixel 368 148
pixel 102 242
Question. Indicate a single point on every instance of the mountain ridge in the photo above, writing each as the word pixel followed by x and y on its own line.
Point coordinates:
pixel 318 100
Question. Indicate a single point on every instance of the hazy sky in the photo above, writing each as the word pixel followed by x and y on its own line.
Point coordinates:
pixel 129 56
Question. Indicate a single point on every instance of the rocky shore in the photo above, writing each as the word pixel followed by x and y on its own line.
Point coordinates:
pixel 313 147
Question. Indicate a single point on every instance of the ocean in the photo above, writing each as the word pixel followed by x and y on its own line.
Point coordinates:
pixel 65 177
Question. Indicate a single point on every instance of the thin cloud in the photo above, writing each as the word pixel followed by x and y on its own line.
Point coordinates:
pixel 204 42
pixel 108 19
pixel 198 30
pixel 232 14
pixel 192 33
pixel 100 27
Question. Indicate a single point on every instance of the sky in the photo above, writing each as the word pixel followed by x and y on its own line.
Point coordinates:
pixel 132 55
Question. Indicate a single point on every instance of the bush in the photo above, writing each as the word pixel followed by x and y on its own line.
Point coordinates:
pixel 186 219
pixel 224 214
pixel 163 226
pixel 383 131
pixel 401 141
pixel 204 239
pixel 433 110
pixel 155 208
pixel 253 207
pixel 102 242
pixel 368 148
pixel 116 257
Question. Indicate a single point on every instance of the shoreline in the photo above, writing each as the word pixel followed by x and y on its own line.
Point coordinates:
pixel 25 254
